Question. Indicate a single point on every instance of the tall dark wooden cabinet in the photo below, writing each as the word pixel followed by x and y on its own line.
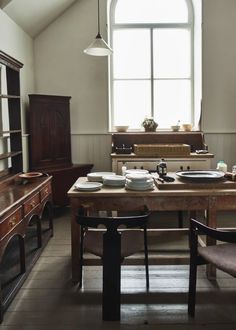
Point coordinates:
pixel 50 143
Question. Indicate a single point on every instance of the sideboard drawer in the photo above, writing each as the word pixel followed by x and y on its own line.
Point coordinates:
pixel 45 192
pixel 31 204
pixel 9 223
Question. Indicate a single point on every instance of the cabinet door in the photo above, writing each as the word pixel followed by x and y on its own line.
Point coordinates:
pixel 50 144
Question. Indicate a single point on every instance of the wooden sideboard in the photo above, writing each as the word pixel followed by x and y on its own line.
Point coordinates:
pixel 25 228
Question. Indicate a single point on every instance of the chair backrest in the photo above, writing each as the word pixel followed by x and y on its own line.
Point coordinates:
pixel 136 220
pixel 198 228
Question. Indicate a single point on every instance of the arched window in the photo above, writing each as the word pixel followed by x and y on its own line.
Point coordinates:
pixel 152 69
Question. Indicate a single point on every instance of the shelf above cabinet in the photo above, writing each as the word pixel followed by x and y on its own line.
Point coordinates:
pixel 4 96
pixel 10 154
pixel 10 132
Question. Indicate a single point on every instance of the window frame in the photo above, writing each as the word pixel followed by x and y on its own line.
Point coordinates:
pixel 189 25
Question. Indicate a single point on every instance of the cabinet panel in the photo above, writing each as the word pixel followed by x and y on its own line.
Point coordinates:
pixel 31 204
pixel 50 144
pixel 46 191
pixel 8 224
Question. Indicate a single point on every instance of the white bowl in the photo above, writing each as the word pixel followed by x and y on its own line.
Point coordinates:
pixel 121 128
pixel 175 128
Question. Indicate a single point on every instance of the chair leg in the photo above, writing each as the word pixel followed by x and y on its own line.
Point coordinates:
pixel 192 287
pixel 146 257
pixel 111 276
pixel 81 261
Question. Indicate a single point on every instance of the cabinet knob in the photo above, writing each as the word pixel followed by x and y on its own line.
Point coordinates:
pixel 12 222
pixel 32 204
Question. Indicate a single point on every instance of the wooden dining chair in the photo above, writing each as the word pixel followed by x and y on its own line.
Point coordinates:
pixel 222 256
pixel 113 245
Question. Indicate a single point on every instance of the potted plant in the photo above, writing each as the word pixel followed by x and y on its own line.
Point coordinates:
pixel 149 124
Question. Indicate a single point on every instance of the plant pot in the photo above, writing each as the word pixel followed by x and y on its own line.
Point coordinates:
pixel 150 129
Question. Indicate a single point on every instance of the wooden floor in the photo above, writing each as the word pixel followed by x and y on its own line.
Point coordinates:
pixel 48 300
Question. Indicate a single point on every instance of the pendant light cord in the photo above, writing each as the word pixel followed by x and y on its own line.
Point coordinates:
pixel 99 20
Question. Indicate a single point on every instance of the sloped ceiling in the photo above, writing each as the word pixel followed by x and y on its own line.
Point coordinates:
pixel 34 15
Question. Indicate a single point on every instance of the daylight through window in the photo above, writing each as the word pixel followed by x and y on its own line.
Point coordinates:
pixel 152 68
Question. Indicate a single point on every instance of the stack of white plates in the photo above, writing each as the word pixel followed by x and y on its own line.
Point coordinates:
pixel 138 181
pixel 114 180
pixel 98 176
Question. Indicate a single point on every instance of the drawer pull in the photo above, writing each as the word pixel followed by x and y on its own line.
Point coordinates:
pixel 32 204
pixel 12 222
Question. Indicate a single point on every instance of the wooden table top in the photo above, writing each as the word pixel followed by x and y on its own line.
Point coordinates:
pixel 184 189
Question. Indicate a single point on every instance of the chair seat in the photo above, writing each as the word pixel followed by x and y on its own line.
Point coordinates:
pixel 222 255
pixel 131 242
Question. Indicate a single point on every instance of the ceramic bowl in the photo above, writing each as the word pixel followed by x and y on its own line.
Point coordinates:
pixel 175 128
pixel 187 127
pixel 121 128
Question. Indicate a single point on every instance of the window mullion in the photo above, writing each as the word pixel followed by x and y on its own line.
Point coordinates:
pixel 152 77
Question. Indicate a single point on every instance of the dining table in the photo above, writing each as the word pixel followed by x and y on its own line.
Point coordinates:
pixel 191 196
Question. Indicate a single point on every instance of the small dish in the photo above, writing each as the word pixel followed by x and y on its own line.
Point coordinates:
pixel 121 128
pixel 175 128
pixel 30 175
pixel 88 186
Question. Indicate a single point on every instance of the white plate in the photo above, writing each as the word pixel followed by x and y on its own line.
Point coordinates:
pixel 201 175
pixel 150 187
pixel 138 176
pixel 134 170
pixel 139 183
pixel 88 186
pixel 114 180
pixel 98 176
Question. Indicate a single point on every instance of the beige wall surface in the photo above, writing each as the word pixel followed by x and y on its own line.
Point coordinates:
pixel 219 66
pixel 62 67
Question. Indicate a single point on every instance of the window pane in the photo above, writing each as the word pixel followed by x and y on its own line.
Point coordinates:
pixel 151 11
pixel 131 53
pixel 132 102
pixel 172 102
pixel 172 57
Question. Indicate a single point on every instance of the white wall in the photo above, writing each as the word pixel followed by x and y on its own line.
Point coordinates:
pixel 15 42
pixel 219 66
pixel 62 68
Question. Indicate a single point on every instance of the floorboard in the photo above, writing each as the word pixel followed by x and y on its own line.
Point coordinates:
pixel 48 300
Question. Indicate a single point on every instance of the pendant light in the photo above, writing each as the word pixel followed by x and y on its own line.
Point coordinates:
pixel 98 47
